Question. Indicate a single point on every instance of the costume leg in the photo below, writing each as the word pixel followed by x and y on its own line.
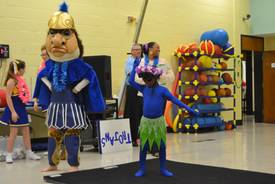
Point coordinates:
pixel 54 146
pixel 162 158
pixel 71 142
pixel 142 160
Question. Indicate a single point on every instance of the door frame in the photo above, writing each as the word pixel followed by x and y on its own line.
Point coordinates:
pixel 254 44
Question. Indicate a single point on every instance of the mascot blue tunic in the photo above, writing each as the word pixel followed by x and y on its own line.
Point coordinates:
pixel 68 88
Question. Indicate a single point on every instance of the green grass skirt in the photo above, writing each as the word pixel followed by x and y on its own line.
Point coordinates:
pixel 153 131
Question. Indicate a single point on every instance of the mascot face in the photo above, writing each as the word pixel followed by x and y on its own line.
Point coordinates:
pixel 61 44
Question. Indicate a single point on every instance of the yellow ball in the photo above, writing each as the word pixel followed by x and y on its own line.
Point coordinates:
pixel 218 66
pixel 212 93
pixel 206 61
pixel 214 100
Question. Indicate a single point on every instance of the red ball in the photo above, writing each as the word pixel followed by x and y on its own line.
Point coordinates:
pixel 192 48
pixel 190 63
pixel 227 78
pixel 3 101
pixel 207 101
pixel 218 50
pixel 189 91
pixel 202 92
pixel 207 47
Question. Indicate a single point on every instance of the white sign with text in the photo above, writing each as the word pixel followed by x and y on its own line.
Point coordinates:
pixel 114 135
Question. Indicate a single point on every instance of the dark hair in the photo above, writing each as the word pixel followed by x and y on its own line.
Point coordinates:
pixel 148 76
pixel 145 47
pixel 20 65
pixel 80 45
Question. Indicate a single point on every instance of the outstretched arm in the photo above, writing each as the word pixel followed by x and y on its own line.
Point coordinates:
pixel 179 103
pixel 132 77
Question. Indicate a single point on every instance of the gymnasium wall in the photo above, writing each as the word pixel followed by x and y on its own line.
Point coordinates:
pixel 103 27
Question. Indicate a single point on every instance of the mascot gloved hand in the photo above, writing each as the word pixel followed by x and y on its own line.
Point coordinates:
pixel 68 88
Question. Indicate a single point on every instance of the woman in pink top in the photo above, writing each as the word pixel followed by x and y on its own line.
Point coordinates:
pixel 44 56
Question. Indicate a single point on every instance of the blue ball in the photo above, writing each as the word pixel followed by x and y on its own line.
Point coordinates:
pixel 217 36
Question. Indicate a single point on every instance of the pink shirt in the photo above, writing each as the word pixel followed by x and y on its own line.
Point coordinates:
pixel 42 66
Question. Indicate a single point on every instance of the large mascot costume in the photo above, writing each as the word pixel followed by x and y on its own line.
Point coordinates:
pixel 68 87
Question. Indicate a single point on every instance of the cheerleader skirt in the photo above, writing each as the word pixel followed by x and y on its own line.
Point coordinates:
pixel 20 109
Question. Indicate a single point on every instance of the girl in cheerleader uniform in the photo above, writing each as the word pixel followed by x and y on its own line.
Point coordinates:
pixel 15 114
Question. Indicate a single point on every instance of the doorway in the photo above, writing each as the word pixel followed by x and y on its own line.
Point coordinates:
pixel 252 50
pixel 269 86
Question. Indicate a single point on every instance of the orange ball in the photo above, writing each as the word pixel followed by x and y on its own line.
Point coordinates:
pixel 228 126
pixel 228 91
pixel 224 65
pixel 203 78
pixel 221 92
pixel 227 78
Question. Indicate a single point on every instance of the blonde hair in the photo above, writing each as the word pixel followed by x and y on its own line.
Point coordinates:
pixel 11 72
pixel 43 47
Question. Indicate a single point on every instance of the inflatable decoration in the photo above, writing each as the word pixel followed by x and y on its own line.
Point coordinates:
pixel 217 36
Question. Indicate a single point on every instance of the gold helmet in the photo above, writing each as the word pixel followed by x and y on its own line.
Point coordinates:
pixel 61 19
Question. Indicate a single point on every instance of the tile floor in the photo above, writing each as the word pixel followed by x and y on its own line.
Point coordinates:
pixel 249 147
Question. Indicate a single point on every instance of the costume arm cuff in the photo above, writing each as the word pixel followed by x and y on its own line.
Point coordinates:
pixel 82 84
pixel 47 83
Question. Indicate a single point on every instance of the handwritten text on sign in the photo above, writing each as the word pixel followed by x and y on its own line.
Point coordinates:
pixel 115 135
pixel 120 137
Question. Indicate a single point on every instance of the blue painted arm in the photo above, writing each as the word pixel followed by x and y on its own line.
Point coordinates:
pixel 179 103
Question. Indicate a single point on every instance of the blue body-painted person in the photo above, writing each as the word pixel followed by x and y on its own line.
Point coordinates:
pixel 152 128
pixel 69 88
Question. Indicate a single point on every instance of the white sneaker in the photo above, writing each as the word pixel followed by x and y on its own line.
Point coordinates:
pixel 9 159
pixel 32 156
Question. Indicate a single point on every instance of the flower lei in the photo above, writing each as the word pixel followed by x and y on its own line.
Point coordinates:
pixel 149 69
pixel 60 76
pixel 156 71
pixel 24 92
